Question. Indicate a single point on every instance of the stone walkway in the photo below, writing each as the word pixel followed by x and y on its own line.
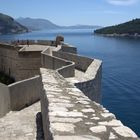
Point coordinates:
pixel 22 125
pixel 85 76
pixel 73 116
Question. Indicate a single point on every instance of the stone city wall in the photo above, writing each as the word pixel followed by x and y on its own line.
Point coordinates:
pixel 32 42
pixel 65 109
pixel 68 48
pixel 22 65
pixel 4 100
pixel 17 64
pixel 67 71
pixel 19 95
pixel 46 42
pixel 81 62
pixel 66 68
pixel 24 93
pixel 90 80
pixel 68 114
pixel 28 64
pixel 8 59
pixel 90 83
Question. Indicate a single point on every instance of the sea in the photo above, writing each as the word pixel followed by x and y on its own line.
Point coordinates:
pixel 121 68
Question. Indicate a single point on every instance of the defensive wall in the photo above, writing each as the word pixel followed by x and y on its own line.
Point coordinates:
pixel 88 73
pixel 19 64
pixel 68 114
pixel 68 86
pixel 18 95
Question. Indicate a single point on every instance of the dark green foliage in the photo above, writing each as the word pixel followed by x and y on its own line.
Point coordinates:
pixel 5 79
pixel 9 26
pixel 131 28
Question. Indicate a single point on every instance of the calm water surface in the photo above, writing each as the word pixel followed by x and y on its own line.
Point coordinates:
pixel 121 68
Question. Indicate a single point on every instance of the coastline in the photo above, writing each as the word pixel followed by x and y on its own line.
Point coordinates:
pixel 118 35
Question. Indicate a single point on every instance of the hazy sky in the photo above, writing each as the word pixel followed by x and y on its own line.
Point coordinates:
pixel 71 12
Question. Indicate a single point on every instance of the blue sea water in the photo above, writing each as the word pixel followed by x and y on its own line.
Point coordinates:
pixel 121 68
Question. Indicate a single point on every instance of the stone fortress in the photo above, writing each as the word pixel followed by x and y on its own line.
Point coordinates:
pixel 67 85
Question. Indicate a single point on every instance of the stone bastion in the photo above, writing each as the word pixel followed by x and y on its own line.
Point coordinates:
pixel 68 86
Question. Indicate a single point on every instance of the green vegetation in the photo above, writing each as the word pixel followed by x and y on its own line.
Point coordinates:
pixel 6 79
pixel 129 28
pixel 9 26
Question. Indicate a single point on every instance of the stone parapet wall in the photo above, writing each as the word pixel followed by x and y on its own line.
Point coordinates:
pixel 8 46
pixel 4 100
pixel 28 64
pixel 24 93
pixel 46 42
pixel 21 65
pixel 81 62
pixel 32 42
pixel 68 48
pixel 19 95
pixel 67 71
pixel 70 84
pixel 70 115
pixel 90 82
pixel 64 67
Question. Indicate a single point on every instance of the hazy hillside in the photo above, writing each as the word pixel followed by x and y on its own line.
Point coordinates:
pixel 37 24
pixel 81 27
pixel 127 28
pixel 9 26
pixel 40 24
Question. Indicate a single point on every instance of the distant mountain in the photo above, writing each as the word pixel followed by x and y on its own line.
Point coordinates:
pixel 37 24
pixel 9 26
pixel 130 28
pixel 81 27
pixel 40 24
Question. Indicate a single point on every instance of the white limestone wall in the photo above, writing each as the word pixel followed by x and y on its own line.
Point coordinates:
pixel 4 100
pixel 19 65
pixel 90 81
pixel 70 115
pixel 81 62
pixel 18 95
pixel 24 93
pixel 64 67
pixel 88 74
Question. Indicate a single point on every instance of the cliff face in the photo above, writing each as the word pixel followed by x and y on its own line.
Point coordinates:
pixel 9 26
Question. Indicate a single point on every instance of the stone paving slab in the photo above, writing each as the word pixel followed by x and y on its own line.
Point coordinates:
pixel 73 116
pixel 22 125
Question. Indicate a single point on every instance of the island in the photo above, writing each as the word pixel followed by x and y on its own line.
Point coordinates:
pixel 130 29
pixel 9 26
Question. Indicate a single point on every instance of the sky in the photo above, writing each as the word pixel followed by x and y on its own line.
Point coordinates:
pixel 73 12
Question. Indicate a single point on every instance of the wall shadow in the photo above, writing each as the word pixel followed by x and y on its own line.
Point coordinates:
pixel 39 125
